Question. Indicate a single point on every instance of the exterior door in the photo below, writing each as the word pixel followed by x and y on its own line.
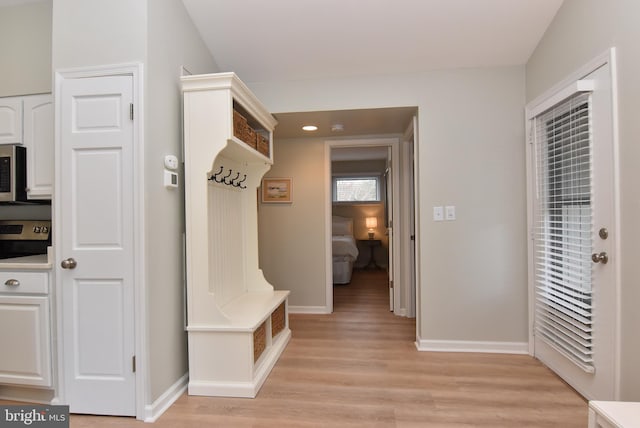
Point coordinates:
pixel 95 247
pixel 573 235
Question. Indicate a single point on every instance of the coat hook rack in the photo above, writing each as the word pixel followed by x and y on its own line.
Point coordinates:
pixel 234 182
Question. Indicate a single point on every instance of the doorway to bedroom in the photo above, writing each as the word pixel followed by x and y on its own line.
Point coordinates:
pixel 370 237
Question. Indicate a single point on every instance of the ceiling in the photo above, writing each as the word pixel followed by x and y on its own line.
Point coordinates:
pixel 280 40
pixel 285 40
pixel 354 122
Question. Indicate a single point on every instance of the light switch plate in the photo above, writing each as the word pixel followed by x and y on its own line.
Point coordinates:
pixel 450 212
pixel 438 214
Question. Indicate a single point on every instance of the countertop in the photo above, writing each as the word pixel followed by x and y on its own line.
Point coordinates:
pixel 37 262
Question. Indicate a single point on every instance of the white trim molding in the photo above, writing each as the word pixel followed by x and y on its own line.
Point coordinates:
pixel 136 71
pixel 472 346
pixel 153 411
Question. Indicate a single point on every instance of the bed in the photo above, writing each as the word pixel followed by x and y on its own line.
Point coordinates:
pixel 345 251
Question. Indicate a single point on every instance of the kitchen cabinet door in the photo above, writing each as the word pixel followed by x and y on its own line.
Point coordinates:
pixel 39 141
pixel 25 338
pixel 11 120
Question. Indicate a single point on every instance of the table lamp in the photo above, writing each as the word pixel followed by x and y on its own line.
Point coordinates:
pixel 371 223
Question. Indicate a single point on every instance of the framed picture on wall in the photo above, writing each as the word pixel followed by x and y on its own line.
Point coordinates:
pixel 277 190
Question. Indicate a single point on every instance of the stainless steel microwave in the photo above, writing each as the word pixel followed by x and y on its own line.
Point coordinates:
pixel 13 173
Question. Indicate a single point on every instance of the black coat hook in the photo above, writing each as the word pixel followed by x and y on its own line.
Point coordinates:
pixel 214 177
pixel 230 182
pixel 224 179
pixel 239 183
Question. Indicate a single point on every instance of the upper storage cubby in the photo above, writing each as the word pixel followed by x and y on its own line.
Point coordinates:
pixel 247 125
pixel 250 131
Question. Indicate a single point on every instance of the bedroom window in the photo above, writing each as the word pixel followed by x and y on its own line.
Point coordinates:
pixel 356 189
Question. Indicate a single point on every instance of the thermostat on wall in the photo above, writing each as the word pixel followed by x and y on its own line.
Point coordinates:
pixel 171 162
pixel 170 179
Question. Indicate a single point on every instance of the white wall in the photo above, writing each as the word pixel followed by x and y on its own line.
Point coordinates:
pixel 581 30
pixel 25 43
pixel 172 43
pixel 472 155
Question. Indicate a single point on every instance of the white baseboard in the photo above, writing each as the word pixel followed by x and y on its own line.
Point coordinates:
pixel 308 310
pixel 153 411
pixel 472 346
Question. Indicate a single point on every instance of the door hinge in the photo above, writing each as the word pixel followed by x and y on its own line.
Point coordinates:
pixel 133 363
pixel 391 284
pixel 131 111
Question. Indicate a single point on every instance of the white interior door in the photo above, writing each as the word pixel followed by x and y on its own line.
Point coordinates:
pixel 389 209
pixel 95 248
pixel 574 257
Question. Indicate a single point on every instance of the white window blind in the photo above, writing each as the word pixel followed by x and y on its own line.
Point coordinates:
pixel 563 229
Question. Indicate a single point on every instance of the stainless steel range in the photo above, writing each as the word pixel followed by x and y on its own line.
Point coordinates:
pixel 20 238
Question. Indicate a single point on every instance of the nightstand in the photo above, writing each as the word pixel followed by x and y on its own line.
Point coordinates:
pixel 372 244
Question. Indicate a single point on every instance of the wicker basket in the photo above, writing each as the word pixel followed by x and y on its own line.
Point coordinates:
pixel 259 341
pixel 262 144
pixel 243 131
pixel 278 320
pixel 239 125
pixel 250 137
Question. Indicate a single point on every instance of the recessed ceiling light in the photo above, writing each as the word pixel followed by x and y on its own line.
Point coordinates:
pixel 310 128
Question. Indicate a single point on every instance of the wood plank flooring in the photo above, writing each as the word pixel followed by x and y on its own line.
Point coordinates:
pixel 359 367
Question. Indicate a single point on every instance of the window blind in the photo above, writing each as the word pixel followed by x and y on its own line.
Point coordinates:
pixel 563 229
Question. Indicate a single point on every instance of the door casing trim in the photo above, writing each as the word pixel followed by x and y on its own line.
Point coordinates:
pixel 135 70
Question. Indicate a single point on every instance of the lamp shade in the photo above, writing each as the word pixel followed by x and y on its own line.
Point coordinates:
pixel 371 222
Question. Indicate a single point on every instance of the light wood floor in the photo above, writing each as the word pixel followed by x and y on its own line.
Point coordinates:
pixel 359 368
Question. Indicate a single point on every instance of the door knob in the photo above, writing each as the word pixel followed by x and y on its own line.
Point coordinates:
pixel 69 263
pixel 600 258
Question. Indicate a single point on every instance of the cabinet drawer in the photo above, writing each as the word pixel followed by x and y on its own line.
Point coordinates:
pixel 27 282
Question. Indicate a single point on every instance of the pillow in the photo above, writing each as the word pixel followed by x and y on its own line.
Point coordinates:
pixel 342 226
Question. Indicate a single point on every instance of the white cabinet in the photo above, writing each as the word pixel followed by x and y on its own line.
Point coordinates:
pixel 11 120
pixel 29 120
pixel 39 140
pixel 25 329
pixel 237 323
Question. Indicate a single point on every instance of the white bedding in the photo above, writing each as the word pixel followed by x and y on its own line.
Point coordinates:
pixel 345 245
pixel 345 251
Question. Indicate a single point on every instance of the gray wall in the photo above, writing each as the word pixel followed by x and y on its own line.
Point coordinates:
pixel 172 43
pixel 291 236
pixel 582 30
pixel 472 155
pixel 94 32
pixel 25 43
